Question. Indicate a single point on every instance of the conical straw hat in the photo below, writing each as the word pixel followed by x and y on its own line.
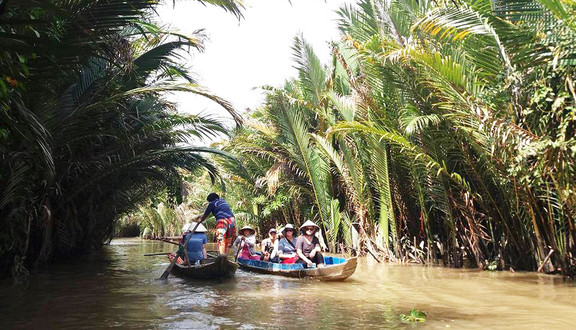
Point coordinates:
pixel 309 223
pixel 192 225
pixel 247 227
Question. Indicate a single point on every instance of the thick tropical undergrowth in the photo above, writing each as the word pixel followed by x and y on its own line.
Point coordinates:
pixel 86 130
pixel 441 131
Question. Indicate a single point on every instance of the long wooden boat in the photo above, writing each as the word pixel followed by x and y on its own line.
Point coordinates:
pixel 335 269
pixel 212 268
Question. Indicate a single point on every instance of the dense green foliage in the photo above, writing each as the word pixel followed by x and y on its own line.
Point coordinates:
pixel 440 131
pixel 164 216
pixel 445 129
pixel 86 132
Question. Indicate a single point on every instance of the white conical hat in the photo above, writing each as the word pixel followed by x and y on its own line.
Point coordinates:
pixel 247 227
pixel 309 223
pixel 192 225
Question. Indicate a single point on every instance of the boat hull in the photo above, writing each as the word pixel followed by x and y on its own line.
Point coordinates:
pixel 209 269
pixel 336 269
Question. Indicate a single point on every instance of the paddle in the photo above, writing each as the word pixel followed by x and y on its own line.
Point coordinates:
pixel 212 255
pixel 157 254
pixel 168 241
pixel 166 273
pixel 240 246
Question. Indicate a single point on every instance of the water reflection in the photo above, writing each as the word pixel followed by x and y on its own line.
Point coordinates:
pixel 118 288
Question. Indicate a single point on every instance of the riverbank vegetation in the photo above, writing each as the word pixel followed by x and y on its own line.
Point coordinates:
pixel 442 131
pixel 86 129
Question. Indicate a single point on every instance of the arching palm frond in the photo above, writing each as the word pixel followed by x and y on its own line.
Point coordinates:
pixel 314 168
pixel 311 72
pixel 233 6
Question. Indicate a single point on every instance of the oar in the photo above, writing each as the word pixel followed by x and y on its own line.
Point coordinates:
pixel 168 241
pixel 157 254
pixel 240 246
pixel 166 273
pixel 212 255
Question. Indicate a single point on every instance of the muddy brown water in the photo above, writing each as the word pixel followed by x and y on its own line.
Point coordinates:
pixel 118 288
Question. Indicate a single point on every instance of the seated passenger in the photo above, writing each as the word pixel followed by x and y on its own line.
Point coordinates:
pixel 287 246
pixel 270 247
pixel 245 243
pixel 308 246
pixel 196 246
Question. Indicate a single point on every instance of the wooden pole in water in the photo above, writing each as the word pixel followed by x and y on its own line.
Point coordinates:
pixel 168 241
pixel 156 254
pixel 545 261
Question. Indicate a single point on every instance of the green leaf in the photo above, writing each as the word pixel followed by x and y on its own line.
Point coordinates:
pixel 3 88
pixel 415 316
pixel 4 133
pixel 25 69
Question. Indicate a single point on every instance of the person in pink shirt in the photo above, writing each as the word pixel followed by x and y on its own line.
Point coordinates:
pixel 245 244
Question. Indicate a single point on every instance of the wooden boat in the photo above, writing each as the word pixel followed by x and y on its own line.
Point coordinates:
pixel 218 267
pixel 335 269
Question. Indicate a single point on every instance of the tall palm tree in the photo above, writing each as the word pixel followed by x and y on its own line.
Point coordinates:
pixel 453 114
pixel 86 133
pixel 445 128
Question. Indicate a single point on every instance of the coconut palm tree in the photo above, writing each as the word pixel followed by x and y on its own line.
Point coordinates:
pixel 86 132
pixel 443 127
pixel 460 78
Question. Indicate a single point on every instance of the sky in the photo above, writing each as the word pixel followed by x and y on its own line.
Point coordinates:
pixel 241 55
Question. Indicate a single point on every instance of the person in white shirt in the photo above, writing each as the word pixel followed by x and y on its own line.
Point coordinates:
pixel 270 246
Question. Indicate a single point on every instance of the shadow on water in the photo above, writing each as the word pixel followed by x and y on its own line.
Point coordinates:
pixel 119 288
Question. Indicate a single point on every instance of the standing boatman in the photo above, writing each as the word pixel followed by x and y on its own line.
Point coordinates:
pixel 225 221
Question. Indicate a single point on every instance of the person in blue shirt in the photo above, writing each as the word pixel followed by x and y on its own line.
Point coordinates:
pixel 225 221
pixel 287 246
pixel 196 246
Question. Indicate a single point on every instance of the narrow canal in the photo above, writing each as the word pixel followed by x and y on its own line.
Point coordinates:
pixel 118 288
